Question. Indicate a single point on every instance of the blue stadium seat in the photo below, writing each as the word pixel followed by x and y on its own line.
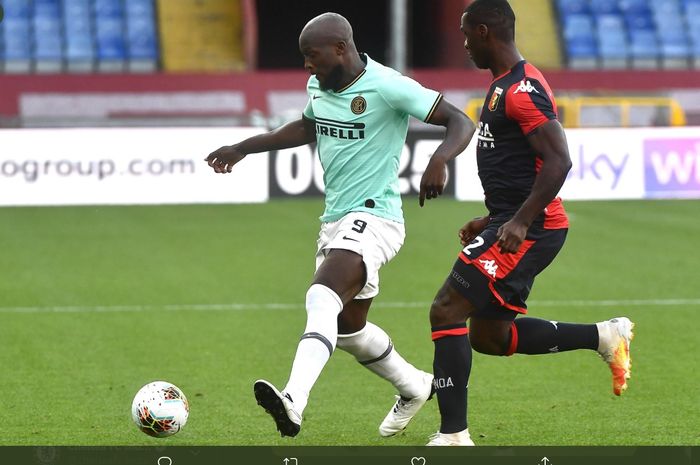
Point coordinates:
pixel 109 35
pixel 634 6
pixel 77 26
pixel 644 49
pixel 604 6
pixel 578 25
pixel 141 36
pixel 666 7
pixel 48 37
pixel 17 9
pixel 568 7
pixel 17 36
pixel 639 21
pixel 581 47
pixel 612 40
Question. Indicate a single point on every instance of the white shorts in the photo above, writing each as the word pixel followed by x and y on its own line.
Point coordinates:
pixel 376 239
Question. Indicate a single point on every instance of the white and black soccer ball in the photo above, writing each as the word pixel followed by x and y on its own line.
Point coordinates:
pixel 160 409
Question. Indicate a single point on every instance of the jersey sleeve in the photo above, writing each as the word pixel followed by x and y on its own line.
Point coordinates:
pixel 309 110
pixel 404 94
pixel 530 104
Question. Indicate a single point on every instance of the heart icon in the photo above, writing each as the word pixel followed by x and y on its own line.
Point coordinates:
pixel 417 460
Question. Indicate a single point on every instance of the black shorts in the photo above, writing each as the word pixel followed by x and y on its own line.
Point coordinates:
pixel 498 284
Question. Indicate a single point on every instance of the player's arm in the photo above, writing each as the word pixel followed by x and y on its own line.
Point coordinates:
pixel 549 141
pixel 460 130
pixel 293 134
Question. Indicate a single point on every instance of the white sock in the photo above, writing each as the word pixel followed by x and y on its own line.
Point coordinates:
pixel 604 335
pixel 373 348
pixel 317 343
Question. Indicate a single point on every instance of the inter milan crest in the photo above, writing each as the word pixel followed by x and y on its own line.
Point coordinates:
pixel 358 105
pixel 495 97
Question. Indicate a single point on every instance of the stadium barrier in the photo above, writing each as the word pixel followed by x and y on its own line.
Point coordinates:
pixel 629 111
pixel 165 166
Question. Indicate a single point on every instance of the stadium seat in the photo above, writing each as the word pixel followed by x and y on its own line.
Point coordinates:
pixel 77 27
pixel 48 38
pixel 141 40
pixel 604 6
pixel 639 21
pixel 644 49
pixel 109 35
pixel 581 48
pixel 634 6
pixel 666 7
pixel 569 7
pixel 16 32
pixel 612 41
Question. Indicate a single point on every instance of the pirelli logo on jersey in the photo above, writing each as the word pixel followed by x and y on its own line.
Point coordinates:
pixel 340 129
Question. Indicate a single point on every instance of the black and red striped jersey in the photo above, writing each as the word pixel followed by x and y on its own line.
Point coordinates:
pixel 517 103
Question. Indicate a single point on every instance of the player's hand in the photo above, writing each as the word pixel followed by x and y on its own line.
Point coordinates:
pixel 223 159
pixel 469 231
pixel 433 181
pixel 511 235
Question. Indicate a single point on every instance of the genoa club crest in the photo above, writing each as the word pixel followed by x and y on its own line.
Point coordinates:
pixel 495 97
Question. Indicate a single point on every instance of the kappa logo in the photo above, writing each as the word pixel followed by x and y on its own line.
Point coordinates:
pixel 490 266
pixel 526 86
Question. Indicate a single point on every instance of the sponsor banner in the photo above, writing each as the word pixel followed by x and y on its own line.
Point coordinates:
pixel 622 163
pixel 606 164
pixel 672 166
pixel 298 171
pixel 125 166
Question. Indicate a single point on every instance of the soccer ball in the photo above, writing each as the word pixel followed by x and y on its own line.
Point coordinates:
pixel 160 409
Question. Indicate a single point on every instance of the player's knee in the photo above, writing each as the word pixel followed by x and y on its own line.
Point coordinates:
pixel 440 312
pixel 322 298
pixel 488 342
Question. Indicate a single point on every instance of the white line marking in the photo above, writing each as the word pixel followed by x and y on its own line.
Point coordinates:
pixel 300 306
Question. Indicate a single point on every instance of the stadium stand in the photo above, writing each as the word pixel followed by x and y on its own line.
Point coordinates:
pixel 641 34
pixel 16 31
pixel 141 41
pixel 53 36
pixel 109 35
pixel 78 30
pixel 47 35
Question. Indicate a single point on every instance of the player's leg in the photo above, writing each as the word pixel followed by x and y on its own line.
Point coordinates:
pixel 452 363
pixel 337 280
pixel 372 348
pixel 533 336
pixel 379 240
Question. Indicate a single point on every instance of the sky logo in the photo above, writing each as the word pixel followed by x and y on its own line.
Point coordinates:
pixel 672 167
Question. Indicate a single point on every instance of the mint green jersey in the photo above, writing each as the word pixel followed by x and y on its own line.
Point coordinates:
pixel 360 131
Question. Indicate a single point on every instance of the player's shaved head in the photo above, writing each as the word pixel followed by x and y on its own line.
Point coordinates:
pixel 497 15
pixel 326 29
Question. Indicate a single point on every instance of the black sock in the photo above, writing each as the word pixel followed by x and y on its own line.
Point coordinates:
pixel 451 367
pixel 536 336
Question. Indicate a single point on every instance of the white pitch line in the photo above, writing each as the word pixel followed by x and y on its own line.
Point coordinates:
pixel 299 306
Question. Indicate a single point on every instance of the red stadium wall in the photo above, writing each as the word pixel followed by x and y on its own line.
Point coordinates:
pixel 255 89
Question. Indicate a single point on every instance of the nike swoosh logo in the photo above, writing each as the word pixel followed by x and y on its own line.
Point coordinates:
pixel 350 239
pixel 315 97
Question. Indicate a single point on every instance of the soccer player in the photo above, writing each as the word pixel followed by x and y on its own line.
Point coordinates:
pixel 357 113
pixel 523 160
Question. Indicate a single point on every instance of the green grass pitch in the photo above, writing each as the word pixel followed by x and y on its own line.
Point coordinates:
pixel 97 301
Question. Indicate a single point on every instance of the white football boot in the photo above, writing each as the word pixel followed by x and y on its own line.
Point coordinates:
pixel 614 338
pixel 460 438
pixel 405 409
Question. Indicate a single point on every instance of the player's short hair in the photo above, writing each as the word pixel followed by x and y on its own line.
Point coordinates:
pixel 496 14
